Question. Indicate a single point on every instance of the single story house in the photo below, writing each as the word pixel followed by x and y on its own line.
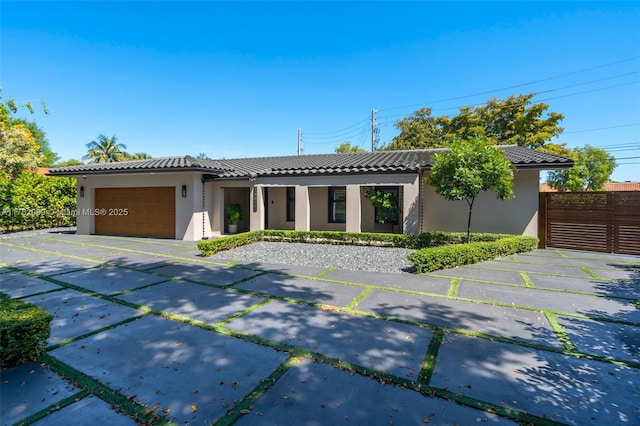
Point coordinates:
pixel 185 198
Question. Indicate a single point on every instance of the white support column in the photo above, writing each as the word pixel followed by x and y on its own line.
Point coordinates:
pixel 303 213
pixel 256 218
pixel 354 209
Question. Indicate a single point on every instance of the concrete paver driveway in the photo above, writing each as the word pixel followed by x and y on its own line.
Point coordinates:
pixel 144 331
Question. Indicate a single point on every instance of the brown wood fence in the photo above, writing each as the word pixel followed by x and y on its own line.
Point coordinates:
pixel 597 221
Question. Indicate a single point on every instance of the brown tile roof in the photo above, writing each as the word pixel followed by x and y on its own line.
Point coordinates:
pixel 318 164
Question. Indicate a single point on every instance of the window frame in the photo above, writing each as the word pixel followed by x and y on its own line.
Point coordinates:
pixel 291 203
pixel 335 201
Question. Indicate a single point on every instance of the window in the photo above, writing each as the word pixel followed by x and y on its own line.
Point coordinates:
pixel 387 204
pixel 337 204
pixel 291 204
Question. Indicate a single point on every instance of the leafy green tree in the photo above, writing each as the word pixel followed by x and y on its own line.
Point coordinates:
pixel 137 156
pixel 347 147
pixel 593 168
pixel 19 147
pixel 67 163
pixel 510 121
pixel 469 167
pixel 105 150
pixel 49 158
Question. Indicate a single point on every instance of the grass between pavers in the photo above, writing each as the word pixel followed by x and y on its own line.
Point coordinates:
pixel 53 407
pixel 121 403
pixel 350 309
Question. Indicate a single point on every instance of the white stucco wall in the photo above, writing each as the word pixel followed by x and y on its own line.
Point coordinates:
pixel 516 216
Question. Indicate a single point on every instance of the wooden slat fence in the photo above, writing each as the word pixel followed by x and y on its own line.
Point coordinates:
pixel 597 221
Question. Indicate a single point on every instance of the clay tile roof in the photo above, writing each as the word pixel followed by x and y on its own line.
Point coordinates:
pixel 317 164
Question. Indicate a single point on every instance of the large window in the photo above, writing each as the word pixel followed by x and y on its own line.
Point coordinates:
pixel 337 204
pixel 291 204
pixel 386 202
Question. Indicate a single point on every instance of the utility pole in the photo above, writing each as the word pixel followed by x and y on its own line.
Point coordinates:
pixel 374 130
pixel 299 141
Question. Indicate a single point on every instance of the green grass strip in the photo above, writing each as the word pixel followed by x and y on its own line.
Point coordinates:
pixel 453 289
pixel 527 280
pixel 117 400
pixel 53 408
pixel 245 406
pixel 325 273
pixel 591 274
pixel 356 300
pixel 429 363
pixel 559 330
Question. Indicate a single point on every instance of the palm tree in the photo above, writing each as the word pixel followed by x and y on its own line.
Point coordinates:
pixel 105 150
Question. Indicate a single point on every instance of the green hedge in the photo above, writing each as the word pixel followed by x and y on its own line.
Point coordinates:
pixel 24 330
pixel 213 246
pixel 427 239
pixel 449 256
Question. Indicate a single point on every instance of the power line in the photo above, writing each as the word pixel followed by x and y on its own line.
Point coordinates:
pixel 516 85
pixel 602 128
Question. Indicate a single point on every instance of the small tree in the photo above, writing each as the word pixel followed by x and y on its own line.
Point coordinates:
pixel 469 167
pixel 592 169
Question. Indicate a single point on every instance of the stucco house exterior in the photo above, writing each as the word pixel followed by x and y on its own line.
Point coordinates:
pixel 185 198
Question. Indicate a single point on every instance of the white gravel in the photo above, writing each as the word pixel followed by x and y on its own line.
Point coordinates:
pixel 355 258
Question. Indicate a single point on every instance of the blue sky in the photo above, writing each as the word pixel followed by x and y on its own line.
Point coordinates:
pixel 237 79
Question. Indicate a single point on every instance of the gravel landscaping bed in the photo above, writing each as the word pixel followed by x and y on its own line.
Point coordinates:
pixel 30 233
pixel 372 259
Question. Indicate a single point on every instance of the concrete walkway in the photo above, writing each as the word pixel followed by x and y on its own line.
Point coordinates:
pixel 146 331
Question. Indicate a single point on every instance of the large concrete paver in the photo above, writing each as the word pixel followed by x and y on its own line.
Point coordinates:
pixel 210 274
pixel 76 313
pixel 573 303
pixel 307 290
pixel 109 279
pixel 18 285
pixel 619 341
pixel 457 314
pixel 86 412
pixel 562 388
pixel 393 348
pixel 399 281
pixel 525 267
pixel 195 301
pixel 506 277
pixel 317 394
pixel 587 285
pixel 194 375
pixel 139 260
pixel 54 265
pixel 30 388
pixel 11 255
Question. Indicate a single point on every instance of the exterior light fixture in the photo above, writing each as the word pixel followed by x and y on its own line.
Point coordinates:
pixel 82 191
pixel 184 191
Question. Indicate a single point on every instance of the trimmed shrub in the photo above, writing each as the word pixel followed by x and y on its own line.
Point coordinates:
pixel 213 246
pixel 24 330
pixel 449 256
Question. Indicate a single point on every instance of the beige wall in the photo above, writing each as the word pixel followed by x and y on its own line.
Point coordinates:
pixel 189 211
pixel 516 216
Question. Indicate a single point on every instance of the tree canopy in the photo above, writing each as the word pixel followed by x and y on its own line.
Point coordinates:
pixel 105 150
pixel 593 168
pixel 23 144
pixel 347 147
pixel 468 167
pixel 510 121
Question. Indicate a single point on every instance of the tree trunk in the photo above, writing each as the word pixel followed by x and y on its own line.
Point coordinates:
pixel 469 220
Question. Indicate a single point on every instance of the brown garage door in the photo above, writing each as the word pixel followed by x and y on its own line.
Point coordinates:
pixel 140 212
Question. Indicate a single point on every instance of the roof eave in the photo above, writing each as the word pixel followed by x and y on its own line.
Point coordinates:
pixel 134 171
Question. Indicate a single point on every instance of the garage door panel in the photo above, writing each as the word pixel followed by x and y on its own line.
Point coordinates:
pixel 150 211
